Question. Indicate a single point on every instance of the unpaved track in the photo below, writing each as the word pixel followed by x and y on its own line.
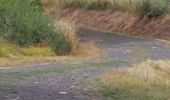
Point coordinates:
pixel 65 80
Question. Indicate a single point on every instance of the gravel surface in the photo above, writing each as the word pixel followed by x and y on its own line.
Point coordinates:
pixel 64 81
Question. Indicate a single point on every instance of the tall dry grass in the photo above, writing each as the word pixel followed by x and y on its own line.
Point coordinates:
pixel 151 8
pixel 68 28
pixel 149 80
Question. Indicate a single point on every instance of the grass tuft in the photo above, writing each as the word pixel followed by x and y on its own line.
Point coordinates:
pixel 88 50
pixel 68 29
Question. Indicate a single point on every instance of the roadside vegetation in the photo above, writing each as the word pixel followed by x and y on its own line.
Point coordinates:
pixel 24 25
pixel 146 81
pixel 151 8
pixel 25 31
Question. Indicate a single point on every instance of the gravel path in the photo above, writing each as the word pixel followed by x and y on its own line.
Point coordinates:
pixel 64 81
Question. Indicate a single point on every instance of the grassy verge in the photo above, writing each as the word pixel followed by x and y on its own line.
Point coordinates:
pixel 37 51
pixel 147 81
pixel 8 50
pixel 13 56
pixel 27 33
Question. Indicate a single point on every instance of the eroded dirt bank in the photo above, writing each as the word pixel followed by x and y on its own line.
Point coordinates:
pixel 124 22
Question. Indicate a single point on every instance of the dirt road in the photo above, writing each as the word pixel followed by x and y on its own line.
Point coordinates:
pixel 66 80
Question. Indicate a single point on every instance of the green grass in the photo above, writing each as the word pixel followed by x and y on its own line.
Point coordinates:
pixel 23 24
pixel 6 50
pixel 37 51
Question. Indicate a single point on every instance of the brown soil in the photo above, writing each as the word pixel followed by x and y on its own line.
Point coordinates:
pixel 124 22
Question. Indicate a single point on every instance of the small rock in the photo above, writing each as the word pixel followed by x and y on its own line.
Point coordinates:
pixel 128 51
pixel 63 93
pixel 72 86
pixel 154 47
pixel 36 82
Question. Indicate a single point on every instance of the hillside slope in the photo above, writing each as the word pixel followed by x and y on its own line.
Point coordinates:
pixel 123 22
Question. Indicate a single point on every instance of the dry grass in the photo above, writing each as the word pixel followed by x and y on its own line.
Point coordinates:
pixel 134 6
pixel 149 80
pixel 35 55
pixel 93 4
pixel 126 5
pixel 88 50
pixel 50 3
pixel 13 56
pixel 20 61
pixel 68 28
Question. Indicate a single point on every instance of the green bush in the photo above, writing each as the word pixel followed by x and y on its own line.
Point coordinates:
pixel 24 25
pixel 154 8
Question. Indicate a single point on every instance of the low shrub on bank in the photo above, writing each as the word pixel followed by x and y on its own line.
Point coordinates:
pixel 154 8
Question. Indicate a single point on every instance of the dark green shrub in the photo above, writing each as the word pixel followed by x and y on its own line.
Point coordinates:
pixel 24 25
pixel 154 8
pixel 102 5
pixel 59 45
